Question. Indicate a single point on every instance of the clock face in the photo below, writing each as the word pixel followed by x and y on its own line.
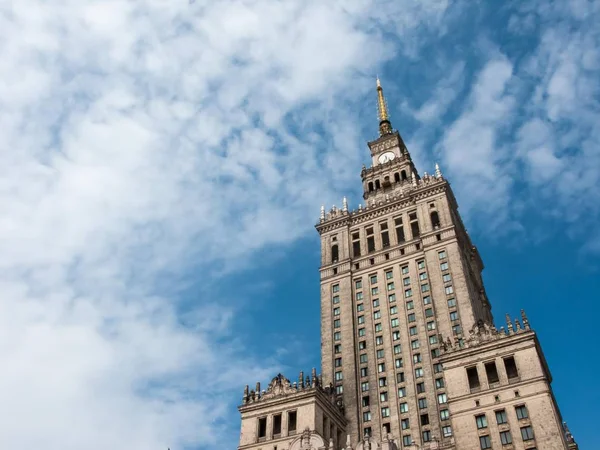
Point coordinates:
pixel 385 157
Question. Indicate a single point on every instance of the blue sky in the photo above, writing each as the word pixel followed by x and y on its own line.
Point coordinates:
pixel 149 148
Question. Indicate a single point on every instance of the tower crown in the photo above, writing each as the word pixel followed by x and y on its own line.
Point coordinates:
pixel 385 126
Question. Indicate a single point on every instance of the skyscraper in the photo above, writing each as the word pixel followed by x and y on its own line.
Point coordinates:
pixel 409 352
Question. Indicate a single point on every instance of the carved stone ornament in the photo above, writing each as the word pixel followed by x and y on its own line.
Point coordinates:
pixel 279 385
pixel 308 440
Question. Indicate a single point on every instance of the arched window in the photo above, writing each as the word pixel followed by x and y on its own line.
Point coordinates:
pixel 370 186
pixel 397 177
pixel 377 184
pixel 403 175
pixel 435 219
pixel 334 253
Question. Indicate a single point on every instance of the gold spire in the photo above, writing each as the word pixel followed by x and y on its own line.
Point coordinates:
pixel 385 127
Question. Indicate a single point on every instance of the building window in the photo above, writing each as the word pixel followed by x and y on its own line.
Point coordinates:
pixel 420 388
pixel 454 316
pixel 338 362
pixel 381 367
pixel 361 320
pixel 501 417
pixel 385 412
pixel 377 314
pixel 481 421
pixel 521 411
pixel 373 279
pixel 442 254
pixel 383 397
pixel 370 240
pixel 491 372
pixel 390 286
pixel 421 264
pixel 416 358
pixel 378 327
pixel 426 436
pixel 362 345
pixel 451 302
pixel 418 372
pixel 447 431
pixel 392 298
pixel 423 276
pixel 429 312
pixel 366 416
pixel 424 419
pixel 412 331
pixel 456 329
pixel 412 317
pixel 335 288
pixel 403 407
pixel 435 219
pixel 442 398
pixel 446 278
pixel 406 281
pixel 435 352
pixel 439 383
pixel 473 378
pixel 382 382
pixel 385 235
pixel 291 421
pixel 422 403
pixel 358 284
pixel 335 253
pixel 364 371
pixel 444 414
pixel 389 275
pixel 396 335
pixel 401 392
pixel 394 322
pixel 336 311
pixel 404 270
pixel 393 310
pixel 433 339
pixel 364 386
pixel 505 437
pixel 337 336
pixel 363 358
pixel 437 368
pixel 426 300
pixel 362 331
pixel 339 389
pixel 399 230
pixel 511 368
pixel 379 341
pixel 425 287
pixel 336 299
pixel 400 377
pixel 485 442
pixel 410 305
pixel 398 363
pixel 397 349
pixel 376 303
pixel 527 433
pixel 338 376
pixel 415 344
pixel 359 296
pixel 366 401
pixel 337 348
pixel 444 266
pixel 262 427
pixel 406 440
pixel 449 290
pixel 405 424
pixel 374 290
pixel 408 293
pixel 360 307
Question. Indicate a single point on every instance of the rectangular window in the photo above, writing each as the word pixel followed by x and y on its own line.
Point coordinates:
pixel 473 378
pixel 433 339
pixel 439 383
pixel 362 345
pixel 449 290
pixel 415 344
pixel 336 299
pixel 370 240
pixel 358 284
pixel 403 407
pixel 416 358
pixel 435 352
pixel 527 433
pixel 405 423
pixel 382 382
pixel 412 331
pixel 424 419
pixel 262 427
pixel 392 298
pixel 437 368
pixel 412 317
pixel 376 303
pixel 511 368
pixel 377 314
pixel 390 286
pixel 505 437
pixel 454 316
pixel 408 293
pixel 447 431
pixel 442 254
pixel 364 371
pixel 401 392
pixel 364 386
pixel 338 376
pixel 422 403
pixel 360 307
pixel 491 372
pixel 420 388
pixel 363 358
pixel 429 312
pixel 366 401
pixel 339 389
pixel 292 417
pixel 385 239
pixel 362 331
pixel 501 417
pixel 407 440
pixel 446 277
pixel 335 288
pixel 398 363
pixel 373 279
pixel 393 310
pixel 485 442
pixel 410 305
pixel 425 287
pixel 381 367
pixel 427 300
pixel 337 348
pixel 456 329
pixel 378 327
pixel 374 290
pixel 451 302
pixel 276 425
pixel 421 264
pixel 400 377
pixel 397 349
pixel 379 341
pixel 366 416
pixel 442 398
pixel 337 336
pixel 396 335
pixel 426 435
pixel 383 397
pixel 414 225
pixel 389 275
pixel 444 414
pixel 395 322
pixel 338 362
pixel 404 270
pixel 481 421
pixel 399 230
pixel 385 412
pixel 418 372
pixel 359 296
pixel 406 281
pixel 444 266
pixel 336 311
pixel 361 320
pixel 423 276
pixel 521 411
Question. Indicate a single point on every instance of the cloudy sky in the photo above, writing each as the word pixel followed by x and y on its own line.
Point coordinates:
pixel 162 164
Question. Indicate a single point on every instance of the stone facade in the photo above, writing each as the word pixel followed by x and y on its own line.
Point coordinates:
pixel 400 283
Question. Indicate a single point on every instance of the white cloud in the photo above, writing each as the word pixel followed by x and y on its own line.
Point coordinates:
pixel 140 140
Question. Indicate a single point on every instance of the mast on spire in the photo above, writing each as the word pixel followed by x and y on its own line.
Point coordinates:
pixel 385 126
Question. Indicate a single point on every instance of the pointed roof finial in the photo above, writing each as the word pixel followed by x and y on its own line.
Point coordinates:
pixel 345 204
pixel 385 127
pixel 438 172
pixel 322 216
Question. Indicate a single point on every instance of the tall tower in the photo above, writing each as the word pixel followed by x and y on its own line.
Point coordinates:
pixel 396 275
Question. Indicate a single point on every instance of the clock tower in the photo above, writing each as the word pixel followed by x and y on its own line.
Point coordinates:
pixel 391 165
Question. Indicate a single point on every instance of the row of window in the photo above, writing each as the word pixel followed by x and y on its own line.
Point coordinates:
pixel 485 441
pixel 276 425
pixel 491 371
